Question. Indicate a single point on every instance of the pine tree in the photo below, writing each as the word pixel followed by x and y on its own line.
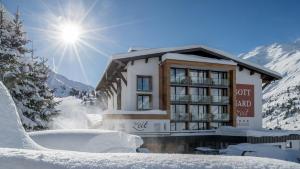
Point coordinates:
pixel 25 76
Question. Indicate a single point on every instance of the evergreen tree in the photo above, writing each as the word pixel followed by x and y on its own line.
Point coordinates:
pixel 25 75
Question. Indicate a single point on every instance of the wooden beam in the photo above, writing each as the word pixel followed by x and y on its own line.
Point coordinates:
pixel 146 60
pixel 113 87
pixel 266 84
pixel 252 72
pixel 159 58
pixel 110 92
pixel 123 78
pixel 241 68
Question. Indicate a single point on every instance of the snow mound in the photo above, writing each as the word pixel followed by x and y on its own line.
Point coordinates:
pixel 94 141
pixel 263 150
pixel 31 159
pixel 74 115
pixel 12 133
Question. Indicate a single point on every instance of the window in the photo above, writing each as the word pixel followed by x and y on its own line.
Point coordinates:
pixel 219 78
pixel 179 94
pixel 219 112
pixel 144 102
pixel 178 126
pixel 179 112
pixel 178 75
pixel 219 95
pixel 199 112
pixel 198 76
pixel 144 83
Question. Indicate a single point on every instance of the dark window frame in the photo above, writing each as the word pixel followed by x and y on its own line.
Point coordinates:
pixel 150 101
pixel 142 77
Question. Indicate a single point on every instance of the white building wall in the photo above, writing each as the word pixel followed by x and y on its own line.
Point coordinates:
pixel 138 126
pixel 244 77
pixel 129 93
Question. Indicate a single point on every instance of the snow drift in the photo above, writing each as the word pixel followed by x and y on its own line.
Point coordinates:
pixel 12 133
pixel 30 159
pixel 95 141
pixel 262 150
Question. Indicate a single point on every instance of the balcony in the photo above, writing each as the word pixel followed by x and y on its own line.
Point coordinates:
pixel 200 99
pixel 180 98
pixel 194 80
pixel 221 117
pixel 179 80
pixel 179 116
pixel 199 81
pixel 219 82
pixel 220 99
pixel 200 117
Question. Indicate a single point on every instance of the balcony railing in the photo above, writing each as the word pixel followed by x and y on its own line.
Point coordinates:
pixel 220 99
pixel 179 80
pixel 182 98
pixel 220 82
pixel 200 99
pixel 180 116
pixel 194 80
pixel 221 117
pixel 199 117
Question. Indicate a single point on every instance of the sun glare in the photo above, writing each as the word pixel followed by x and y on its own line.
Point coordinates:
pixel 70 32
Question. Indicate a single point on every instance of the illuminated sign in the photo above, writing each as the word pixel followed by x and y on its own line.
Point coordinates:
pixel 245 100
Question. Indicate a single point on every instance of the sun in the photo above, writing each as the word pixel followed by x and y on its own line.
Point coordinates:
pixel 70 32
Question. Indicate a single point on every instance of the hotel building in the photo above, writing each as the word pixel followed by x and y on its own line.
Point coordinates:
pixel 182 89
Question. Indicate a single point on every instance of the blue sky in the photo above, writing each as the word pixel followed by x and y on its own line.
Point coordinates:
pixel 235 26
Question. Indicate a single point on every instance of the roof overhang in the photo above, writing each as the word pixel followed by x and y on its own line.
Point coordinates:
pixel 119 62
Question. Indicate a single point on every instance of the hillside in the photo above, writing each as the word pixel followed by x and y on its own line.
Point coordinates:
pixel 62 85
pixel 281 99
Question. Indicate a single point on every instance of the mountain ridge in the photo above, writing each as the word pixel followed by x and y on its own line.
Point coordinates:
pixel 281 99
pixel 62 86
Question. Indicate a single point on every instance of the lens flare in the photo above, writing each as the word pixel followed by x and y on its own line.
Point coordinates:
pixel 70 32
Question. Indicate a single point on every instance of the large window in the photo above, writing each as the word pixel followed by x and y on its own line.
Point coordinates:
pixel 219 95
pixel 219 78
pixel 179 112
pixel 199 112
pixel 144 83
pixel 220 113
pixel 198 76
pixel 178 75
pixel 144 102
pixel 179 94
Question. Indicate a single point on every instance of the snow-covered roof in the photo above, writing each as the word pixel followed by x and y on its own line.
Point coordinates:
pixel 196 58
pixel 122 58
pixel 227 56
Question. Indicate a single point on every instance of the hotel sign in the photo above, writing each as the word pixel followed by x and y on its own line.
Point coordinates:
pixel 245 100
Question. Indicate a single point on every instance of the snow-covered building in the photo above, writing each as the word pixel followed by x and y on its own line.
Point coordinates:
pixel 182 89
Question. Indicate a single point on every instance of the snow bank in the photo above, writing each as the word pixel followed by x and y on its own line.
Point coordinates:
pixel 12 133
pixel 30 159
pixel 95 141
pixel 263 150
pixel 232 131
pixel 75 115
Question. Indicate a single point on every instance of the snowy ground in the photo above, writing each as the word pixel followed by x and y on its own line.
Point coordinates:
pixel 263 150
pixel 95 141
pixel 31 159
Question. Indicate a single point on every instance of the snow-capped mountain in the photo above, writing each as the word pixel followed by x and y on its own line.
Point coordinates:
pixel 62 85
pixel 281 99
